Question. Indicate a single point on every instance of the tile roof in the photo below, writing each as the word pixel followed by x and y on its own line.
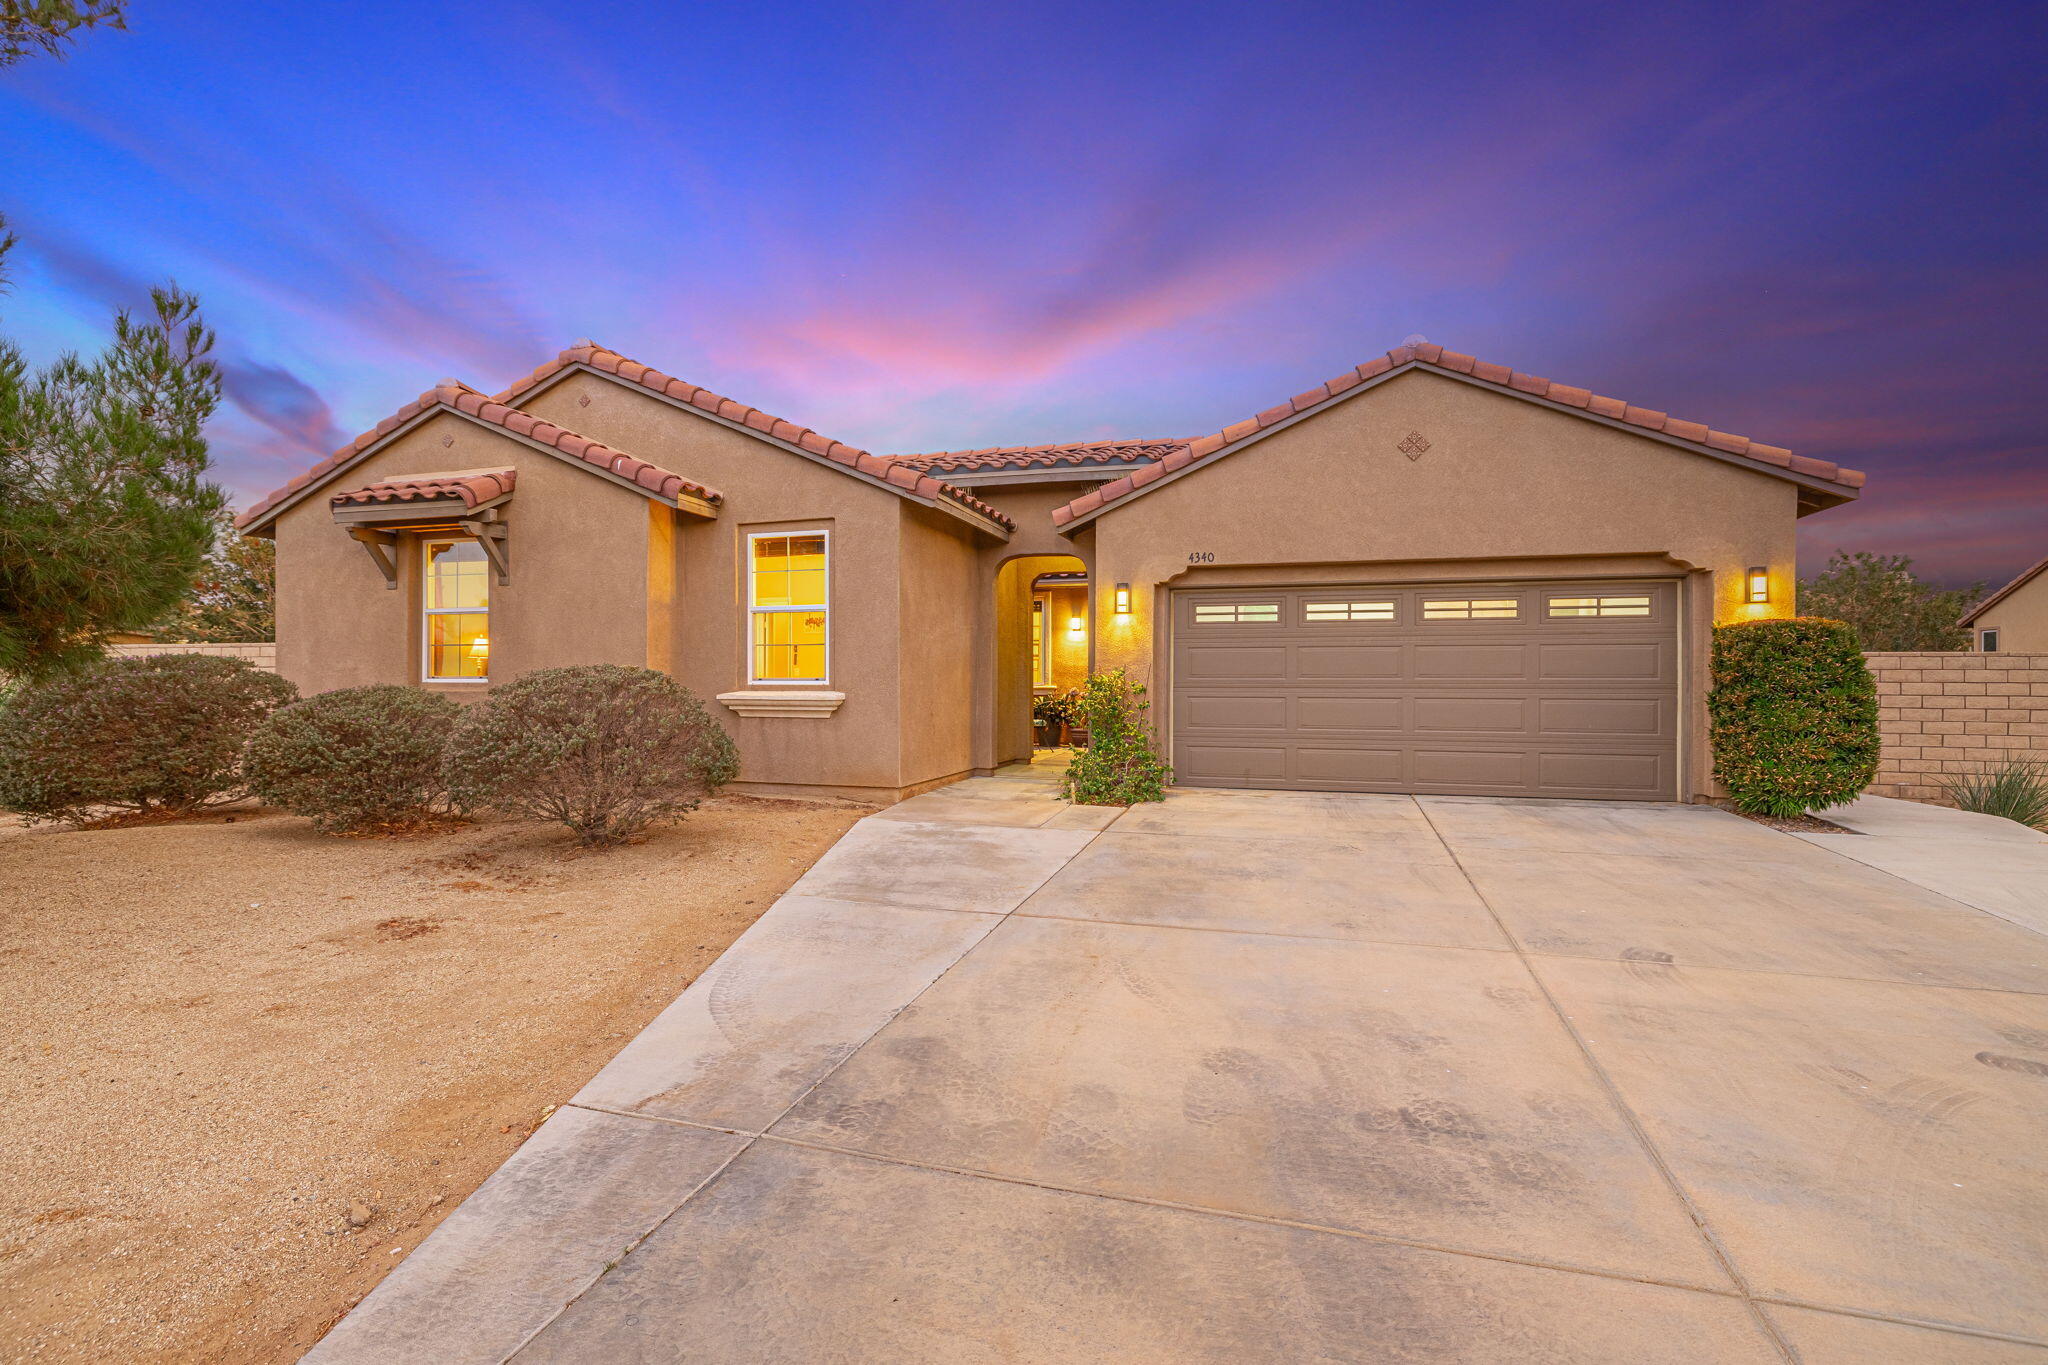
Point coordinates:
pixel 908 478
pixel 473 403
pixel 472 486
pixel 1077 453
pixel 1766 457
pixel 2008 590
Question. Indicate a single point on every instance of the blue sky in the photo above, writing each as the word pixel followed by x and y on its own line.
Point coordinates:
pixel 922 227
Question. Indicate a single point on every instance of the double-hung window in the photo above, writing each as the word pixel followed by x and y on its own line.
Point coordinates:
pixel 457 604
pixel 787 606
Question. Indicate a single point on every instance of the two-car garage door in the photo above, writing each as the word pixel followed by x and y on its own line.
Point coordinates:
pixel 1496 689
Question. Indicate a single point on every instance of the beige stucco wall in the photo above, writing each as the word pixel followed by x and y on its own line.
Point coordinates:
pixel 338 625
pixel 1069 651
pixel 1507 488
pixel 2021 619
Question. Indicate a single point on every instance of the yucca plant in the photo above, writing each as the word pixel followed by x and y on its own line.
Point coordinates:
pixel 2016 788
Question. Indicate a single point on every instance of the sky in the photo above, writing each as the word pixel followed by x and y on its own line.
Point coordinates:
pixel 924 227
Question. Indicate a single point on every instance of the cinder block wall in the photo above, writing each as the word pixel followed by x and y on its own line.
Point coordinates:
pixel 262 653
pixel 1944 713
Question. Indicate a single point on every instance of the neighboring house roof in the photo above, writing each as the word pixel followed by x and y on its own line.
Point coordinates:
pixel 465 401
pixel 1832 483
pixel 470 486
pixel 1073 454
pixel 905 479
pixel 2008 590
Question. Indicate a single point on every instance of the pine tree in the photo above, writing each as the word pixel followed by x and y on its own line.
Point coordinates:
pixel 105 513
pixel 47 26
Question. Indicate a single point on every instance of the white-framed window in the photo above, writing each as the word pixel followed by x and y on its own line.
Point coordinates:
pixel 1470 609
pixel 788 606
pixel 1221 613
pixel 455 600
pixel 1347 611
pixel 1041 642
pixel 1987 641
pixel 1636 605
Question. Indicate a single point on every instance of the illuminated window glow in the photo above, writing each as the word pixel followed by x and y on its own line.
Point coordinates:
pixel 1041 657
pixel 1348 611
pixel 1600 606
pixel 1220 613
pixel 457 598
pixel 1471 609
pixel 787 606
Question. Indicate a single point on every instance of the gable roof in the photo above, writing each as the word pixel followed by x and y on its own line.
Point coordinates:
pixel 1828 483
pixel 2008 590
pixel 906 480
pixel 464 401
pixel 1062 455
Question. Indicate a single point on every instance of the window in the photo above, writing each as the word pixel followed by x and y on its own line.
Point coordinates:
pixel 1471 609
pixel 1222 613
pixel 1987 641
pixel 457 595
pixel 786 606
pixel 1041 650
pixel 1348 611
pixel 1600 606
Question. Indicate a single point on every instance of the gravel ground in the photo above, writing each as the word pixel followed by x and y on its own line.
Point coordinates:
pixel 221 1040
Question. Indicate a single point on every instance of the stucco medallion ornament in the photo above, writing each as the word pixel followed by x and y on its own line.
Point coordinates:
pixel 447 441
pixel 582 400
pixel 1413 444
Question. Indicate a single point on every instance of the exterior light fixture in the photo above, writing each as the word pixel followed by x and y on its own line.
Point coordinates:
pixel 1759 585
pixel 1074 625
pixel 1123 599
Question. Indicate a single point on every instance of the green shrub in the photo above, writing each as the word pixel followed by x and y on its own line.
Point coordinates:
pixel 602 749
pixel 2016 789
pixel 356 758
pixel 157 734
pixel 1794 715
pixel 1119 767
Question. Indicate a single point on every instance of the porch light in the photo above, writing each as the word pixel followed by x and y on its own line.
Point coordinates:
pixel 1123 599
pixel 1759 585
pixel 1074 625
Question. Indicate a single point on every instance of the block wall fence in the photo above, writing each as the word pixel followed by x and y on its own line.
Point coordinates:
pixel 262 653
pixel 1951 712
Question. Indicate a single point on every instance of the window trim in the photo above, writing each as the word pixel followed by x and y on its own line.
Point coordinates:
pixel 428 613
pixel 1987 641
pixel 824 532
pixel 1041 622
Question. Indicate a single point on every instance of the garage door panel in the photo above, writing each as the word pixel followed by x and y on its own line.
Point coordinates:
pixel 1538 689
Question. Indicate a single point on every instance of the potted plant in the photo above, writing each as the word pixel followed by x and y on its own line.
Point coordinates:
pixel 1045 720
pixel 1073 720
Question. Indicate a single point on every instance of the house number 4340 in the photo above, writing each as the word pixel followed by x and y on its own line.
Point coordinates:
pixel 1201 556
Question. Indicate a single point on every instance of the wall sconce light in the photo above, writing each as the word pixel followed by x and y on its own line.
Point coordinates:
pixel 1759 590
pixel 1123 599
pixel 1075 625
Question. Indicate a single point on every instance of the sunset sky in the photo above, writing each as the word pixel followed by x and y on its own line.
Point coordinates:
pixel 920 227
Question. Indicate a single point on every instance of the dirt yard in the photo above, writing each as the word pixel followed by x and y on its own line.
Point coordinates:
pixel 221 1040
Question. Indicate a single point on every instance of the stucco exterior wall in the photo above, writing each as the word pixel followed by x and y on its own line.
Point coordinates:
pixel 940 612
pixel 339 626
pixel 1942 713
pixel 1069 651
pixel 1505 489
pixel 2020 619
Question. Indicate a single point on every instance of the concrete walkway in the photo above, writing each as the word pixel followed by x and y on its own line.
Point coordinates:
pixel 1267 1076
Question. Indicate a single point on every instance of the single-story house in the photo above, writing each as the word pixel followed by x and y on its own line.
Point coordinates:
pixel 1430 574
pixel 2015 618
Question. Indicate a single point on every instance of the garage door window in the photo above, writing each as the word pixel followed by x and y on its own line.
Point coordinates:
pixel 1599 606
pixel 1348 611
pixel 1470 609
pixel 1223 613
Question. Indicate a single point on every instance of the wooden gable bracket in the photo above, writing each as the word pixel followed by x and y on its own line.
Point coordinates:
pixel 383 548
pixel 489 530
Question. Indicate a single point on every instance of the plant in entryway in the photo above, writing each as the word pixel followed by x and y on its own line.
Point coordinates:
pixel 1794 715
pixel 1120 766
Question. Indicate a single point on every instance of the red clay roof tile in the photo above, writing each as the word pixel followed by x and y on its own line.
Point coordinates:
pixel 468 486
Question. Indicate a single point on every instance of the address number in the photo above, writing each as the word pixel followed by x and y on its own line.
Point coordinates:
pixel 1201 556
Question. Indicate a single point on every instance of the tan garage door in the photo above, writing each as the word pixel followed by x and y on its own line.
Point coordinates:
pixel 1494 689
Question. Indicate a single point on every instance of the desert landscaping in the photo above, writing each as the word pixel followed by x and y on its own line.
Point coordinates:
pixel 249 1066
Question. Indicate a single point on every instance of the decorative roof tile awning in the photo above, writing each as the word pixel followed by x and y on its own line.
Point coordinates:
pixel 468 501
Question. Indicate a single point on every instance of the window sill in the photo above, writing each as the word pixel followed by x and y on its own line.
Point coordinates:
pixel 808 704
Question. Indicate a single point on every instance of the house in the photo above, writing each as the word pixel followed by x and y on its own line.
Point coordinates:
pixel 2013 618
pixel 1430 574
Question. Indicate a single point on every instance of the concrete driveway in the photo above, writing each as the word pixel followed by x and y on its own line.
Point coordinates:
pixel 1264 1076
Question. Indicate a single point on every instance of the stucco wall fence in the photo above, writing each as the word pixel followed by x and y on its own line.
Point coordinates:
pixel 262 653
pixel 1953 712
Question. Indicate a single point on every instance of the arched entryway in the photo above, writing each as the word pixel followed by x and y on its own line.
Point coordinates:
pixel 1044 642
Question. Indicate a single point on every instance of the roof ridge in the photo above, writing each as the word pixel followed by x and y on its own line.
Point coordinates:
pixel 607 361
pixel 1456 362
pixel 2026 576
pixel 473 402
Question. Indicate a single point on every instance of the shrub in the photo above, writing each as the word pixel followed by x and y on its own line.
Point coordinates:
pixel 1119 767
pixel 2016 789
pixel 1794 715
pixel 602 749
pixel 157 734
pixel 356 758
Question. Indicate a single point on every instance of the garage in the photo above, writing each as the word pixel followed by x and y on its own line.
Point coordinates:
pixel 1545 688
